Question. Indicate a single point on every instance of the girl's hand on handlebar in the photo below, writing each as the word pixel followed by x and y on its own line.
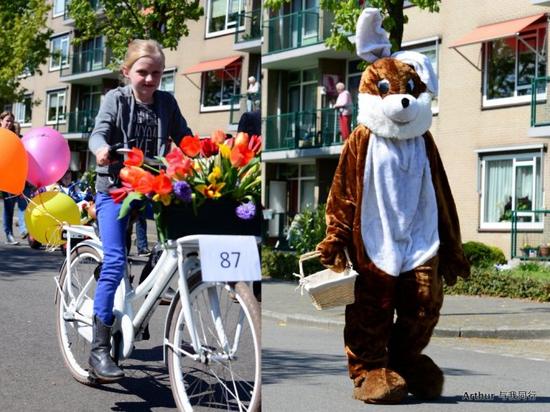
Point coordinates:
pixel 102 156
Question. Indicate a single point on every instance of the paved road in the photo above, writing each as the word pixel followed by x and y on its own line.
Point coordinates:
pixel 32 374
pixel 304 370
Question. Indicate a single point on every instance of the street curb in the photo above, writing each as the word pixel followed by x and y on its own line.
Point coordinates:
pixel 441 332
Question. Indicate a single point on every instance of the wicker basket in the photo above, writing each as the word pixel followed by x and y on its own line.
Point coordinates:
pixel 327 288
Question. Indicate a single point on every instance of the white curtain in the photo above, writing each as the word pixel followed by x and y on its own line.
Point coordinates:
pixel 498 188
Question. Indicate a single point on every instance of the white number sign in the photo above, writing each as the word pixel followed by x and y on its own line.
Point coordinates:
pixel 229 258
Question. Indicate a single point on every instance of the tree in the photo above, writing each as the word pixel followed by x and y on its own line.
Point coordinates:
pixel 122 21
pixel 346 13
pixel 24 38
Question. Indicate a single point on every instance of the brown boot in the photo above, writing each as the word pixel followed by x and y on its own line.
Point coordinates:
pixel 380 386
pixel 424 378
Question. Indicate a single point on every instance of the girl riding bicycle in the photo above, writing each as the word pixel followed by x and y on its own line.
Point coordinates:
pixel 135 115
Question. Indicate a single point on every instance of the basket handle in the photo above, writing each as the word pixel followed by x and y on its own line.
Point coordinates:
pixel 314 254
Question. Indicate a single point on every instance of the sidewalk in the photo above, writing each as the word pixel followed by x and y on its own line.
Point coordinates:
pixel 461 316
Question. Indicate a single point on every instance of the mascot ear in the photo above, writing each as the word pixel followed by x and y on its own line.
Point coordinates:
pixel 422 66
pixel 371 39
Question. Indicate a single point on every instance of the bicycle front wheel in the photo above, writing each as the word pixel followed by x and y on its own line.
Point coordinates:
pixel 226 371
pixel 74 309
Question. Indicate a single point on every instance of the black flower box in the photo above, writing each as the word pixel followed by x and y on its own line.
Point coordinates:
pixel 213 217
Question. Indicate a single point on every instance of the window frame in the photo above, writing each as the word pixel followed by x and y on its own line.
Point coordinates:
pixel 61 37
pixel 19 107
pixel 167 73
pixel 58 92
pixel 515 99
pixel 229 27
pixel 237 87
pixel 62 13
pixel 519 158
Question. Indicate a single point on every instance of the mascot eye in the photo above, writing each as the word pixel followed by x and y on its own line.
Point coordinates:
pixel 383 86
pixel 410 86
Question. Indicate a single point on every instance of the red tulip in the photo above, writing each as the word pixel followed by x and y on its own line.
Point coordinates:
pixel 208 148
pixel 255 144
pixel 190 145
pixel 162 184
pixel 179 170
pixel 241 139
pixel 119 194
pixel 175 155
pixel 135 157
pixel 144 184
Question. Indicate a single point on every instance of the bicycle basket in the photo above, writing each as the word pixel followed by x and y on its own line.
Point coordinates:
pixel 328 288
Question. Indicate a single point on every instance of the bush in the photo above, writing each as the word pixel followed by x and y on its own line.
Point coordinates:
pixel 281 265
pixel 490 282
pixel 482 255
pixel 307 229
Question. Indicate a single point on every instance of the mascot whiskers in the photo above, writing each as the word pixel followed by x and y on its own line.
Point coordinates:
pixel 391 205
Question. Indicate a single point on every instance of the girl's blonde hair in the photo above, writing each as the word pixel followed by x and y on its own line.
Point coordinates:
pixel 142 48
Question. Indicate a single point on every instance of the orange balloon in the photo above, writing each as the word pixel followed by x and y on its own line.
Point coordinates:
pixel 13 163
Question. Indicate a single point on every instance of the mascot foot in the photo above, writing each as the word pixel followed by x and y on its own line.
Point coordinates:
pixel 424 378
pixel 380 386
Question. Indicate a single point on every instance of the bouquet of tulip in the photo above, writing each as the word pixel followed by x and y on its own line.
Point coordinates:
pixel 197 172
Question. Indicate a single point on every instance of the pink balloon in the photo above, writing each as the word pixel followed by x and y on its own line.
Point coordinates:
pixel 49 155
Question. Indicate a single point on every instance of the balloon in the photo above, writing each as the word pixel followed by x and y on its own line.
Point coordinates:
pixel 49 155
pixel 46 213
pixel 13 162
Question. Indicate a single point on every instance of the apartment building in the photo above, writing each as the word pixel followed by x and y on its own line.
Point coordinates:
pixel 491 127
pixel 207 74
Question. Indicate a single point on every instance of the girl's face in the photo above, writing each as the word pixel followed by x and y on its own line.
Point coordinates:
pixel 144 76
pixel 7 122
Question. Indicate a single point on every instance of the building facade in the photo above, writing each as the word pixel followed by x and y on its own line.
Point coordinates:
pixel 207 74
pixel 494 152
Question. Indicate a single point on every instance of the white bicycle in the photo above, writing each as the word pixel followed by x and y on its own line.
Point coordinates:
pixel 211 334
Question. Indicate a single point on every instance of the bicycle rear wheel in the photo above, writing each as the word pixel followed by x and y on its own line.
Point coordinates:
pixel 227 377
pixel 74 309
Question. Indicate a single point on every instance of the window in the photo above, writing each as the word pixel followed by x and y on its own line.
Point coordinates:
pixel 510 182
pixel 219 86
pixel 58 7
pixel 56 107
pixel 222 15
pixel 510 65
pixel 301 182
pixel 23 111
pixel 431 50
pixel 167 81
pixel 59 47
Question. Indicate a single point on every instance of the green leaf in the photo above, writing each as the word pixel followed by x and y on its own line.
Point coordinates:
pixel 126 204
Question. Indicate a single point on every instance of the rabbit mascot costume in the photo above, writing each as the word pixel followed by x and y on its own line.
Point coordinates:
pixel 391 206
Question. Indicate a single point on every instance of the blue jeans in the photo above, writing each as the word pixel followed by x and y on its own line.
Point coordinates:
pixel 141 232
pixel 21 206
pixel 9 206
pixel 113 236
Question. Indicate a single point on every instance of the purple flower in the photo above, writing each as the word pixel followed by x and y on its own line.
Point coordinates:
pixel 183 191
pixel 246 211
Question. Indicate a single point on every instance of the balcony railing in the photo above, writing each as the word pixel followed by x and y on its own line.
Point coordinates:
pixel 252 22
pixel 540 102
pixel 294 30
pixel 87 61
pixel 304 129
pixel 526 244
pixel 241 103
pixel 81 121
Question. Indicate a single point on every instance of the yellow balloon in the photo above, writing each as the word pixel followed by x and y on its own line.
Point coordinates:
pixel 46 214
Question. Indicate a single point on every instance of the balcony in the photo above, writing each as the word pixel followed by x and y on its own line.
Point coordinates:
pixel 250 39
pixel 540 108
pixel 76 125
pixel 87 66
pixel 241 103
pixel 304 130
pixel 529 244
pixel 294 30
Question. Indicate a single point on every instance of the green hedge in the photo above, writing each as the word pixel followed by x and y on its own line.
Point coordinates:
pixel 282 264
pixel 482 255
pixel 490 282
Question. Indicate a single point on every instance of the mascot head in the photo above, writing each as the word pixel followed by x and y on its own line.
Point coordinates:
pixel 396 90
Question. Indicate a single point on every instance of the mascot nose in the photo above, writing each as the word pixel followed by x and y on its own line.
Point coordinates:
pixel 405 102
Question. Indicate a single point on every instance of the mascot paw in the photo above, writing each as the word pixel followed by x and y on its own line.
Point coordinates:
pixel 380 386
pixel 424 378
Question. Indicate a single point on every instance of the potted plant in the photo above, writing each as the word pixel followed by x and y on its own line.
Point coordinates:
pixel 529 251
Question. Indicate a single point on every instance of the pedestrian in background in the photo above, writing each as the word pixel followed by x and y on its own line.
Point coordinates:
pixel 150 116
pixel 343 105
pixel 22 201
pixel 7 120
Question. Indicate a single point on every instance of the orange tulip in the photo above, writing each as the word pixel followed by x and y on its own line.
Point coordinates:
pixel 135 157
pixel 217 136
pixel 144 183
pixel 131 174
pixel 241 139
pixel 241 155
pixel 162 184
pixel 190 145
